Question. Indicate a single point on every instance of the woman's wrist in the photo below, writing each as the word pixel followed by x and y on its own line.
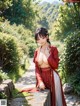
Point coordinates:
pixel 41 85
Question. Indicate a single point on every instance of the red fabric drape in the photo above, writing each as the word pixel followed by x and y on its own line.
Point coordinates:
pixel 72 1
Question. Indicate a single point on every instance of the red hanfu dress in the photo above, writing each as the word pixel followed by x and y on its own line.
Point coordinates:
pixel 50 77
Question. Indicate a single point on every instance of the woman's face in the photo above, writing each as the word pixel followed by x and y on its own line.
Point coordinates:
pixel 41 40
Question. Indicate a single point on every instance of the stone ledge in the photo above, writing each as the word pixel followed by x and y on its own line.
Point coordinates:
pixel 10 84
pixel 41 98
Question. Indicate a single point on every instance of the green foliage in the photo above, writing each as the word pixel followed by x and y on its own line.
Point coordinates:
pixel 3 75
pixel 75 81
pixel 47 14
pixel 65 23
pixel 70 61
pixel 32 46
pixel 10 52
pixel 23 35
pixel 3 95
pixel 17 74
pixel 5 5
pixel 21 12
pixel 72 56
pixel 18 39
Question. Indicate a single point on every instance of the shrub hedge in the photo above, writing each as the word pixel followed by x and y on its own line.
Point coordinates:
pixel 70 61
pixel 10 53
pixel 72 53
pixel 25 36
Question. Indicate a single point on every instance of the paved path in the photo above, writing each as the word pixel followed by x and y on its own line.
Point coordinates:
pixel 28 80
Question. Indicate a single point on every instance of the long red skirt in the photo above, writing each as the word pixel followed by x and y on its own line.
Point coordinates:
pixel 52 81
pixel 49 77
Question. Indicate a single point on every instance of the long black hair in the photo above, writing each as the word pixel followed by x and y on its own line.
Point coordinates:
pixel 42 32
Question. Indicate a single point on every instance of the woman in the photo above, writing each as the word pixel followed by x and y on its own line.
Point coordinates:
pixel 46 62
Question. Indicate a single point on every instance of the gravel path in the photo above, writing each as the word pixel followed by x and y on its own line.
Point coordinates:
pixel 28 80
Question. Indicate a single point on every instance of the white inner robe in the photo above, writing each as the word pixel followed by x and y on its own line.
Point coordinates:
pixel 57 89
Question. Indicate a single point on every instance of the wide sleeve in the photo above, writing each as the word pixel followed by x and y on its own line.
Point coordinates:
pixel 37 69
pixel 53 59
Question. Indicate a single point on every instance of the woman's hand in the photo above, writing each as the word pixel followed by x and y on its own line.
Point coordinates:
pixel 42 86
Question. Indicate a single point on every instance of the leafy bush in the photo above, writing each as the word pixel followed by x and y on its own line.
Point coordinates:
pixel 70 62
pixel 75 81
pixel 72 53
pixel 23 35
pixel 3 75
pixel 10 52
pixel 66 22
pixel 32 46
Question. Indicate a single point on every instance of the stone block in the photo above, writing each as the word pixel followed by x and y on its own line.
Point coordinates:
pixel 7 87
pixel 9 83
pixel 4 88
pixel 67 88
